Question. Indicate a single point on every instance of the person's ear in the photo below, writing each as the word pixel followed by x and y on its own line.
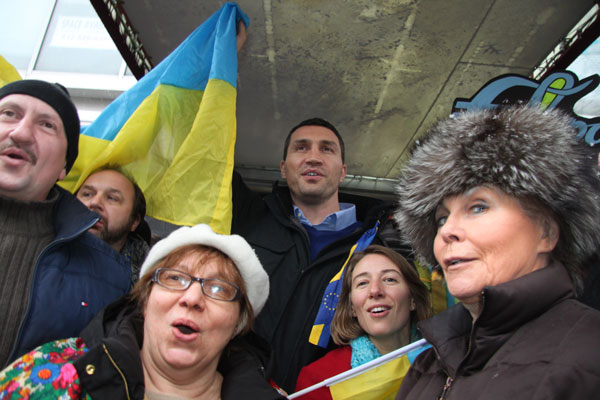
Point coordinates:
pixel 62 174
pixel 344 172
pixel 135 224
pixel 413 306
pixel 282 168
pixel 549 236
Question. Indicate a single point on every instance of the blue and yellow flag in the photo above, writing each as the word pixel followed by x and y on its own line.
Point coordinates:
pixel 377 379
pixel 320 333
pixel 8 73
pixel 381 383
pixel 174 130
pixel 433 279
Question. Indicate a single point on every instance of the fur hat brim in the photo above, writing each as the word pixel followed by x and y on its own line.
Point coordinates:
pixel 524 151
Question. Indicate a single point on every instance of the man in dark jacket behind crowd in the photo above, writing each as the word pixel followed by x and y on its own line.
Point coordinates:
pixel 302 235
pixel 54 275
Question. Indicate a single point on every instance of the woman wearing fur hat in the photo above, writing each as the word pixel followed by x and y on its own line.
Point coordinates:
pixel 198 290
pixel 499 201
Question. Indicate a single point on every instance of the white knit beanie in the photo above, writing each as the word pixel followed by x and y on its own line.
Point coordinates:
pixel 234 246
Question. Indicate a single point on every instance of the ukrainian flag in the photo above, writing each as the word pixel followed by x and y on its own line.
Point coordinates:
pixel 378 379
pixel 8 73
pixel 381 383
pixel 174 131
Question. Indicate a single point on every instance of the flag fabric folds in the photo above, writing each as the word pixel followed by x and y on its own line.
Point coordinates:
pixel 381 383
pixel 320 332
pixel 8 73
pixel 434 280
pixel 174 131
pixel 379 379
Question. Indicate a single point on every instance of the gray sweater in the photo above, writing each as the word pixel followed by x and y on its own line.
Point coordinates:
pixel 25 230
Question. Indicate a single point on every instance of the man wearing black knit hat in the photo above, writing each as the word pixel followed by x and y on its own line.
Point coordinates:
pixel 54 275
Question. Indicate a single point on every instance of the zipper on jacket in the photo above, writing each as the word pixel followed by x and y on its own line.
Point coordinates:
pixel 446 388
pixel 118 370
pixel 45 250
pixel 449 379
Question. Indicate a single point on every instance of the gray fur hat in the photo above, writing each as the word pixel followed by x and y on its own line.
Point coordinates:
pixel 522 150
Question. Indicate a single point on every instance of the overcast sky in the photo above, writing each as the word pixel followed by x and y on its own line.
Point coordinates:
pixel 588 63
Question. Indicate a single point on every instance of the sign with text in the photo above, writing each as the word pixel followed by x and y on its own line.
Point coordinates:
pixel 560 89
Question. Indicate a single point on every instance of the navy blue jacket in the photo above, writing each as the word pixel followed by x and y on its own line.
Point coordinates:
pixel 75 276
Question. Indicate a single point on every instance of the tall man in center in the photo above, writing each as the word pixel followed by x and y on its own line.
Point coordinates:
pixel 303 234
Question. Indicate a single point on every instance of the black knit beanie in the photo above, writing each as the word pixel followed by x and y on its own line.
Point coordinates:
pixel 57 97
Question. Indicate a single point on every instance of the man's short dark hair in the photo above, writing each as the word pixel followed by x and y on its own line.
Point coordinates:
pixel 139 210
pixel 139 201
pixel 315 122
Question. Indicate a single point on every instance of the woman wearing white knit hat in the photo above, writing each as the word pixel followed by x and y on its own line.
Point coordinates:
pixel 197 291
pixel 501 202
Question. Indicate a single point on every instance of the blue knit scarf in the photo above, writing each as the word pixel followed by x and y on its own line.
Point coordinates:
pixel 363 351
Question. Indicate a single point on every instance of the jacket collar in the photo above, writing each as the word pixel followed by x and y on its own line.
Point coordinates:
pixel 460 344
pixel 368 210
pixel 71 217
pixel 114 338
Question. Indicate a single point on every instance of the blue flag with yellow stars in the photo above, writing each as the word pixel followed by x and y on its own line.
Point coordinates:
pixel 320 332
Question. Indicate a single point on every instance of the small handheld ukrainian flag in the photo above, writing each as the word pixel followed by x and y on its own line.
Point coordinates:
pixel 174 131
pixel 377 379
pixel 321 330
pixel 381 383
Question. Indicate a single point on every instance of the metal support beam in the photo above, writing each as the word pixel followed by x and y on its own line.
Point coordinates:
pixel 572 45
pixel 125 37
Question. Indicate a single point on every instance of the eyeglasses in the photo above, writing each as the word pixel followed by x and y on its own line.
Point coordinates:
pixel 212 287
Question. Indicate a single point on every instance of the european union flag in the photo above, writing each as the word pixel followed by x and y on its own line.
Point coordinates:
pixel 320 332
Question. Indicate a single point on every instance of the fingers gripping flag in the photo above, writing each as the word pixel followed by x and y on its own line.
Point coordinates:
pixel 174 131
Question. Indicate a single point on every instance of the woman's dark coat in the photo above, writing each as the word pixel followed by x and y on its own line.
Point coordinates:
pixel 532 341
pixel 112 368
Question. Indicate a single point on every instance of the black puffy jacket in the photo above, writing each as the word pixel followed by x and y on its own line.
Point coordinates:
pixel 112 368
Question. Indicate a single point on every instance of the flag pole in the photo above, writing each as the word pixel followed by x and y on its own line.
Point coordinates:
pixel 361 368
